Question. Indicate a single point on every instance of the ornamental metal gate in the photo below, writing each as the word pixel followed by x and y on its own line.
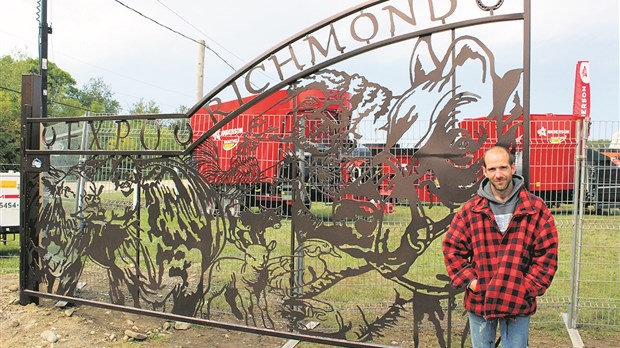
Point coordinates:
pixel 304 197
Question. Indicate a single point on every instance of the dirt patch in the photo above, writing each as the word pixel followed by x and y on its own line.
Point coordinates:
pixel 84 326
pixel 46 325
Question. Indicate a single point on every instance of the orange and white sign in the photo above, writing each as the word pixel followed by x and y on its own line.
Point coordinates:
pixel 228 137
pixel 9 200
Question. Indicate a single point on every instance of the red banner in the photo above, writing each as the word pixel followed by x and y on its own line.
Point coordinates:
pixel 581 101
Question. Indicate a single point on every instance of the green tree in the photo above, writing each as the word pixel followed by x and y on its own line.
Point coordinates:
pixel 60 84
pixel 9 129
pixel 181 109
pixel 64 99
pixel 10 110
pixel 140 107
pixel 144 107
pixel 97 96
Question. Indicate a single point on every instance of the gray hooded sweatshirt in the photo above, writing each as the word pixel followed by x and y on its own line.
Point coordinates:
pixel 503 211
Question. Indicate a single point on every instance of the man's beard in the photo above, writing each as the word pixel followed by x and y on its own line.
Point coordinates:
pixel 498 188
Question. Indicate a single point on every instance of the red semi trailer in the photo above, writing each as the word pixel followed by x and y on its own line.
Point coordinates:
pixel 264 133
pixel 553 141
pixel 272 121
pixel 552 165
pixel 552 150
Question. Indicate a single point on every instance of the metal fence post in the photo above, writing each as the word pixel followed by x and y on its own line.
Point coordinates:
pixel 578 213
pixel 81 180
pixel 30 195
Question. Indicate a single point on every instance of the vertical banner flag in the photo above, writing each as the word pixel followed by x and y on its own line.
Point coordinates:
pixel 581 101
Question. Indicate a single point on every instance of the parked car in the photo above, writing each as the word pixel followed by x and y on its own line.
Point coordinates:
pixel 603 178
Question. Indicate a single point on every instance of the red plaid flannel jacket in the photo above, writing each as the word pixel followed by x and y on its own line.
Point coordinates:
pixel 513 268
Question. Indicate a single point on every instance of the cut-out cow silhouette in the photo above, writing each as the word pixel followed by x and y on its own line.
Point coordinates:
pixel 244 283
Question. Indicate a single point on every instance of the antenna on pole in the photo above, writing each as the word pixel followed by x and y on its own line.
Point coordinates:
pixel 200 72
pixel 44 30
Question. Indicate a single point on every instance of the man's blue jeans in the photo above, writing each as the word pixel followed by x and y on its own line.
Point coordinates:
pixel 514 332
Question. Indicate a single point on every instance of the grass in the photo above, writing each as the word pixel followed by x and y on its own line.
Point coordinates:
pixel 9 254
pixel 599 292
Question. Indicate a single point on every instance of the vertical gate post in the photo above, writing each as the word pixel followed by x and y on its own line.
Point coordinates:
pixel 570 318
pixel 30 197
pixel 527 26
pixel 578 213
pixel 297 187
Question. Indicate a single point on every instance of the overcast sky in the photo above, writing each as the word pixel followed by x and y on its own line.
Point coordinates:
pixel 139 59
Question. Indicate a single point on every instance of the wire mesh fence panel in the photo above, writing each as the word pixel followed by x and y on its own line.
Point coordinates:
pixel 599 263
pixel 552 171
pixel 9 253
pixel 554 176
pixel 598 285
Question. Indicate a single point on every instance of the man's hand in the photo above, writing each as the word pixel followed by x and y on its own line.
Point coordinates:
pixel 473 285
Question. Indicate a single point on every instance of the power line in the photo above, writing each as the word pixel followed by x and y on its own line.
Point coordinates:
pixel 176 32
pixel 205 35
pixel 211 39
pixel 146 83
pixel 10 90
pixel 161 25
pixel 50 102
pixel 71 106
pixel 224 60
pixel 127 77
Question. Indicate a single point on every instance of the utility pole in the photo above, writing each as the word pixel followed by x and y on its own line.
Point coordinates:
pixel 44 30
pixel 200 70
